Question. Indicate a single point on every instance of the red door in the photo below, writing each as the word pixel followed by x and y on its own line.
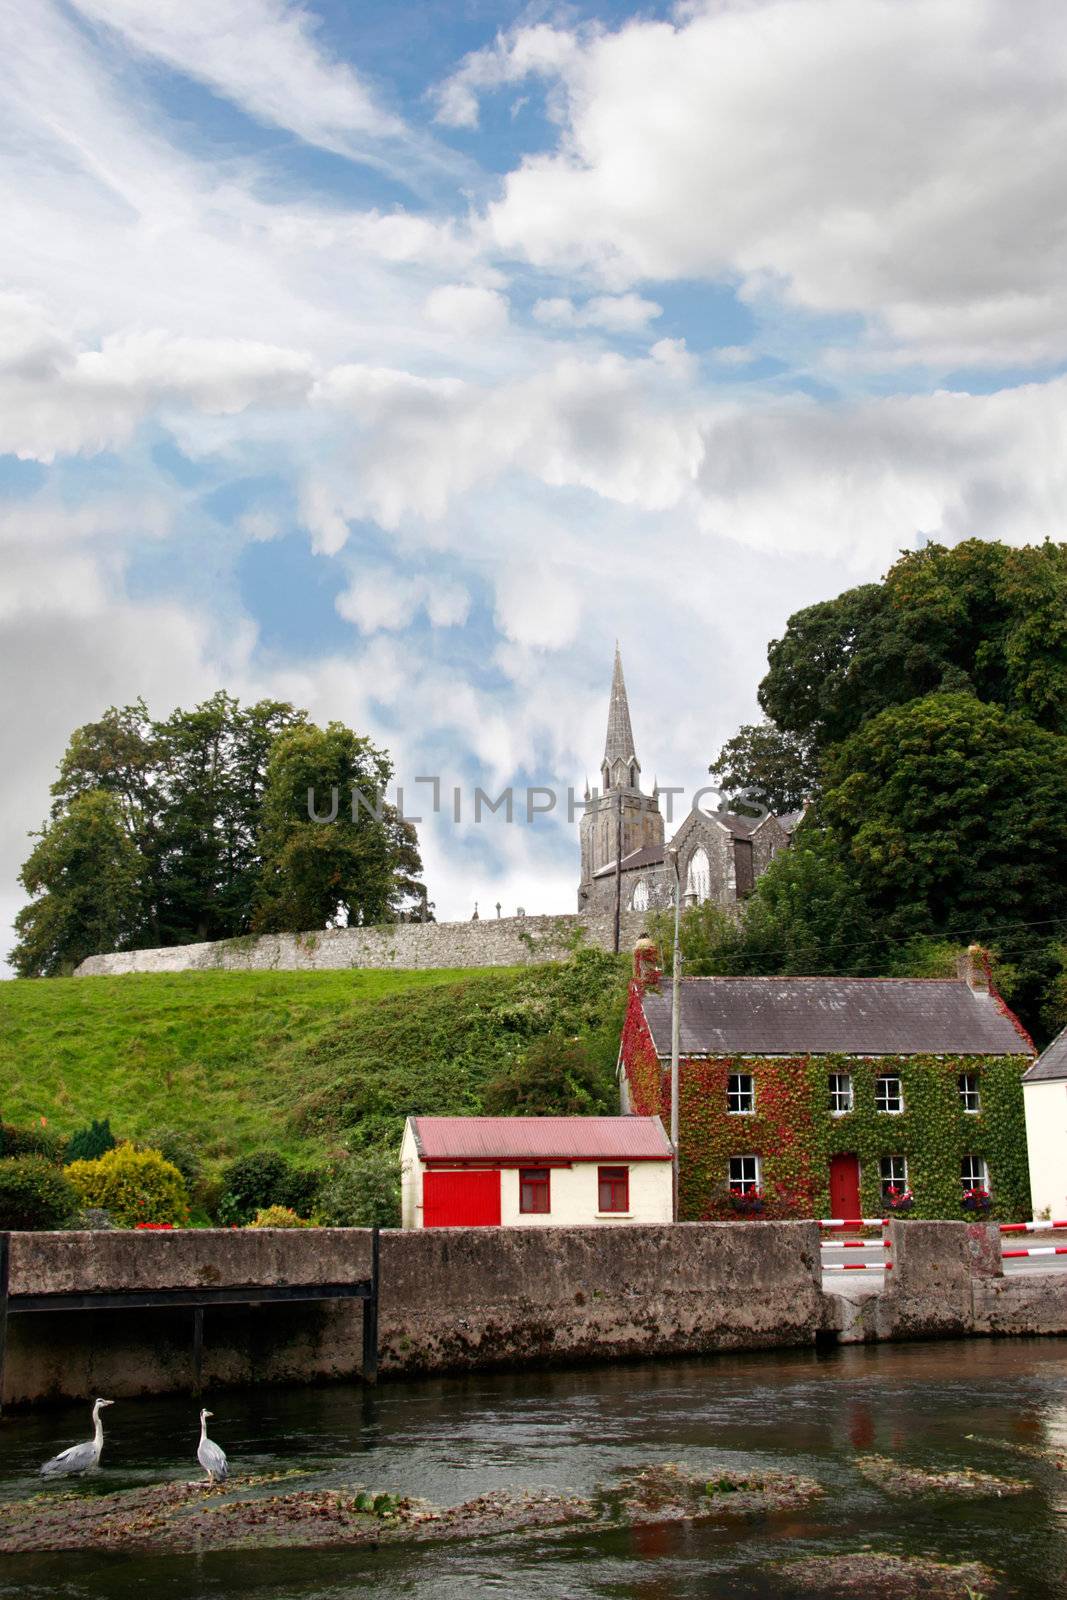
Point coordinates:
pixel 461 1200
pixel 844 1186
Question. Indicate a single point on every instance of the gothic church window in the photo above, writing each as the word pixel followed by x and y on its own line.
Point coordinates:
pixel 640 896
pixel 698 880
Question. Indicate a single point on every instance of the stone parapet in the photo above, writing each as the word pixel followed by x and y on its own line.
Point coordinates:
pixel 488 942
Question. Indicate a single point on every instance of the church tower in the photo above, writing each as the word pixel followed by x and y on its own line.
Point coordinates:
pixel 620 787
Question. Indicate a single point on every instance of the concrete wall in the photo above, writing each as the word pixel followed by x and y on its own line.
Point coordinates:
pixel 1045 1105
pixel 455 1298
pixel 489 942
pixel 475 1298
pixel 121 1353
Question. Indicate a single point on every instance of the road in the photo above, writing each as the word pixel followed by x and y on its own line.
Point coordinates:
pixel 874 1255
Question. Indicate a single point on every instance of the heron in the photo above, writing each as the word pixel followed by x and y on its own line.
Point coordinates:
pixel 80 1457
pixel 211 1458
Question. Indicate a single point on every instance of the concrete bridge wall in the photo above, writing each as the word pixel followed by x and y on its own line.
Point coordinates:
pixel 472 1299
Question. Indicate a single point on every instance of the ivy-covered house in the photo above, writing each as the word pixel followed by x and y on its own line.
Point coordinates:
pixel 819 1097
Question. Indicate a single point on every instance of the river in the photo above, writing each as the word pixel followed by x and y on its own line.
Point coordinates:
pixel 448 1439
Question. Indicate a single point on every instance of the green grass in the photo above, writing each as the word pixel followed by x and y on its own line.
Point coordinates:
pixel 207 1052
pixel 300 1062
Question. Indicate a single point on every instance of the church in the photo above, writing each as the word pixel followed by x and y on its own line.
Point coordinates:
pixel 720 854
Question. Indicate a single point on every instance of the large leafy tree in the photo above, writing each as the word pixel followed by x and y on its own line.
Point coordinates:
pixel 763 763
pixel 360 866
pixel 952 815
pixel 212 778
pixel 187 824
pixel 983 616
pixel 83 874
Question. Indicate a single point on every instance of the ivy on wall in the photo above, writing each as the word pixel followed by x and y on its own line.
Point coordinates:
pixel 795 1135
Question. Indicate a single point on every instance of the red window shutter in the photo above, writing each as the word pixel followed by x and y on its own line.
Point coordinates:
pixel 614 1189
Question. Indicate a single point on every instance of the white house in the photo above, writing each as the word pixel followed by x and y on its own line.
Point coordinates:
pixel 518 1172
pixel 1045 1105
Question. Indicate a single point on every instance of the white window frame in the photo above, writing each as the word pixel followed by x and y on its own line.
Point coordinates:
pixel 639 902
pixel 981 1182
pixel 745 1184
pixel 838 1094
pixel 968 1093
pixel 892 1182
pixel 885 1078
pixel 741 1095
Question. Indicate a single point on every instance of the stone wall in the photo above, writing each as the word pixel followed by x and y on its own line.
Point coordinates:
pixel 489 942
pixel 455 1298
pixel 475 1298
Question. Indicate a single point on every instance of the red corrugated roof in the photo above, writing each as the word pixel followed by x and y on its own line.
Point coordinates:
pixel 541 1138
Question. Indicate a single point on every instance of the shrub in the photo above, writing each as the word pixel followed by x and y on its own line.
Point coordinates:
pixel 34 1193
pixel 556 1077
pixel 265 1179
pixel 133 1185
pixel 89 1144
pixel 278 1217
pixel 362 1191
pixel 179 1149
pixel 35 1141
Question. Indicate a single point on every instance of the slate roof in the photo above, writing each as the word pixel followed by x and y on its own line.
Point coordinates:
pixel 541 1139
pixel 1052 1064
pixel 819 1016
pixel 648 855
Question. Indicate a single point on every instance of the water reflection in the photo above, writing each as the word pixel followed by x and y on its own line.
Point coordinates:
pixel 452 1438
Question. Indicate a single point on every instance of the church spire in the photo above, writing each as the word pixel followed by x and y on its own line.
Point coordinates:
pixel 619 743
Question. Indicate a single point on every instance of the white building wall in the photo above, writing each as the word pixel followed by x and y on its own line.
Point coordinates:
pixel 574 1195
pixel 410 1181
pixel 1045 1105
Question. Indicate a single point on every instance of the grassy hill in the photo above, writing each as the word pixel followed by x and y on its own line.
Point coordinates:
pixel 296 1061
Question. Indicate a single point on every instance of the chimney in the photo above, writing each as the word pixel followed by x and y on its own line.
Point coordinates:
pixel 646 963
pixel 972 968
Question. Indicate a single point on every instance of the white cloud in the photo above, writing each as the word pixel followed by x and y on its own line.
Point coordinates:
pixel 619 428
pixel 864 480
pixel 536 605
pixel 57 398
pixel 261 54
pixel 466 309
pixel 540 50
pixel 615 313
pixel 904 159
pixel 379 601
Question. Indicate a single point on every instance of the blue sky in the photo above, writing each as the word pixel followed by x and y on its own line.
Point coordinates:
pixel 397 359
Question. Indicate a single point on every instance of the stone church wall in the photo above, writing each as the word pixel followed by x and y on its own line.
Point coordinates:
pixel 491 942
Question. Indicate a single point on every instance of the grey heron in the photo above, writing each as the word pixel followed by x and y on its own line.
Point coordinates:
pixel 210 1457
pixel 80 1457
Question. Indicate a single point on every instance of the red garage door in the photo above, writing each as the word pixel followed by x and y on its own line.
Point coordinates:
pixel 461 1199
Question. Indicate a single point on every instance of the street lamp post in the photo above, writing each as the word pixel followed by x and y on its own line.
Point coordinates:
pixel 676 964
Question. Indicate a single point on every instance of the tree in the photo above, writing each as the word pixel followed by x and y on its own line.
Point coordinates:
pixel 186 797
pixel 359 867
pixel 953 815
pixel 983 617
pixel 764 764
pixel 212 764
pixel 556 1077
pixel 84 874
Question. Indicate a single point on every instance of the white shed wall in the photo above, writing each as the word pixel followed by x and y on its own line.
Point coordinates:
pixel 574 1194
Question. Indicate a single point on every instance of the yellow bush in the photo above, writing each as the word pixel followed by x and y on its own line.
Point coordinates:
pixel 132 1185
pixel 278 1217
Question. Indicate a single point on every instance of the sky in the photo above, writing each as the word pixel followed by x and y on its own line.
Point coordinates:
pixel 396 359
